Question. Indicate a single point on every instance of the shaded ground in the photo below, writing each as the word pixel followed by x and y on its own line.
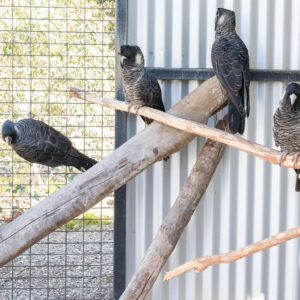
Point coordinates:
pixel 65 265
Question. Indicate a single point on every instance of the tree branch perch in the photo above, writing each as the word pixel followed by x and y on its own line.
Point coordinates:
pixel 200 264
pixel 268 154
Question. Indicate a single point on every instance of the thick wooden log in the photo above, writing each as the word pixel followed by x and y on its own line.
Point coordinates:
pixel 150 145
pixel 176 121
pixel 175 222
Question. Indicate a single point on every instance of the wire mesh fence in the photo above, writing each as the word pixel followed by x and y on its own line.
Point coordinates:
pixel 47 46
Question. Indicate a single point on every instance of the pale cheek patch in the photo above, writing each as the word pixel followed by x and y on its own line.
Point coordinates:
pixel 221 20
pixel 138 59
pixel 123 58
pixel 8 140
pixel 293 98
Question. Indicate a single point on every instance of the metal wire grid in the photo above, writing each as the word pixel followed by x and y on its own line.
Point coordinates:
pixel 47 46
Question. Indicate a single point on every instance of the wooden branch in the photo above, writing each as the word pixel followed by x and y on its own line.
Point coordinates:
pixel 176 121
pixel 200 264
pixel 115 170
pixel 175 222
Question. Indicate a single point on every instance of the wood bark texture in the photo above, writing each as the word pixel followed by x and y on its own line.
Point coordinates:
pixel 200 264
pixel 175 222
pixel 177 121
pixel 150 145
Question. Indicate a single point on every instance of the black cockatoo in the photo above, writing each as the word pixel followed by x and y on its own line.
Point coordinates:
pixel 230 61
pixel 140 87
pixel 286 125
pixel 39 143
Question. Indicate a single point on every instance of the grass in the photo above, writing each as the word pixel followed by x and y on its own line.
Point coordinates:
pixel 88 220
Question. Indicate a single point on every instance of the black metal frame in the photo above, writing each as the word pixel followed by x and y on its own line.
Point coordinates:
pixel 120 138
pixel 203 74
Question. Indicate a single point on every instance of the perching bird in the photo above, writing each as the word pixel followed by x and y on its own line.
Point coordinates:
pixel 39 143
pixel 230 61
pixel 286 127
pixel 140 88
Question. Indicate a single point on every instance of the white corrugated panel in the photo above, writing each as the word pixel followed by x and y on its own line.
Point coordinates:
pixel 247 200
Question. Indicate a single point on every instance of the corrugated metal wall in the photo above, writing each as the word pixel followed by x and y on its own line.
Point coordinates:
pixel 247 200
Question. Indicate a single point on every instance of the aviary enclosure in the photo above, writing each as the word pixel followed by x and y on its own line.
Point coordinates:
pixel 47 46
pixel 58 65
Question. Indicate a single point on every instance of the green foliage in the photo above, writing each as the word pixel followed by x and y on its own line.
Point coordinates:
pixel 106 3
pixel 88 220
pixel 43 52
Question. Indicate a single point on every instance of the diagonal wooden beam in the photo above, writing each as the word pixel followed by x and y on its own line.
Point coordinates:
pixel 150 145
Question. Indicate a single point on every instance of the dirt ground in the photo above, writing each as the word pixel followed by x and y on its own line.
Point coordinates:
pixel 65 265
